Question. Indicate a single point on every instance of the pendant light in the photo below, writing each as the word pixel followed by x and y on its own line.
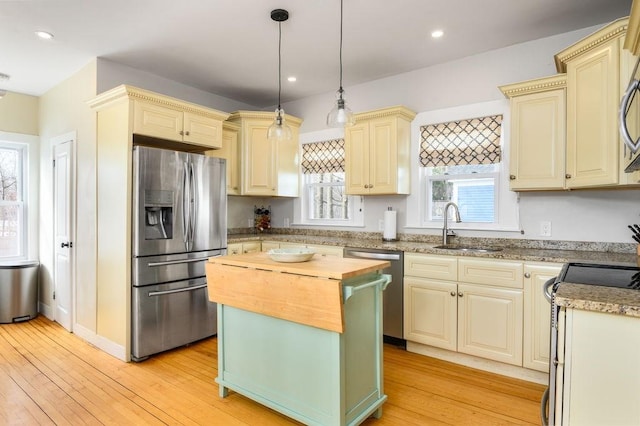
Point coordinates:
pixel 340 115
pixel 279 129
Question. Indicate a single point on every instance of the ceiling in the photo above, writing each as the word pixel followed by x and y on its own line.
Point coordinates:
pixel 230 47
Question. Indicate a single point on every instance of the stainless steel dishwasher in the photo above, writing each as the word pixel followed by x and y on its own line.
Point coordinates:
pixel 392 308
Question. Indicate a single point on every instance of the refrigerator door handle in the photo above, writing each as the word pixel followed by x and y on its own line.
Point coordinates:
pixel 178 262
pixel 193 206
pixel 185 206
pixel 177 290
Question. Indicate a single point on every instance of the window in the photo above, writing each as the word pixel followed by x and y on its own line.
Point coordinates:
pixel 13 222
pixel 324 197
pixel 461 163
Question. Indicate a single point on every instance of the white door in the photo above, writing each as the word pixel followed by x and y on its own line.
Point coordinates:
pixel 63 245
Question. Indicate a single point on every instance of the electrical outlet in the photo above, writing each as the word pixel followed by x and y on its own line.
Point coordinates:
pixel 250 223
pixel 545 228
pixel 286 222
pixel 381 225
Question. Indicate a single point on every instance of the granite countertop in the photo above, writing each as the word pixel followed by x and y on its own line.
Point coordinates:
pixel 579 296
pixel 529 254
pixel 599 299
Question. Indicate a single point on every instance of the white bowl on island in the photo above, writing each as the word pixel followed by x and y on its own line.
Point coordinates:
pixel 291 255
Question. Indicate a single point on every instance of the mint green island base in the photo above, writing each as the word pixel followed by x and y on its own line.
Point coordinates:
pixel 313 375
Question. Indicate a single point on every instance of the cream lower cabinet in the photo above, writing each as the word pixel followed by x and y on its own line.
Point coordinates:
pixel 599 369
pixel 230 151
pixel 267 167
pixel 481 316
pixel 162 117
pixel 377 152
pixel 244 247
pixel 538 133
pixel 537 312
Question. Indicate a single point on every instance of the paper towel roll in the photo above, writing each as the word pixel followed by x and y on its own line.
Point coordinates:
pixel 389 233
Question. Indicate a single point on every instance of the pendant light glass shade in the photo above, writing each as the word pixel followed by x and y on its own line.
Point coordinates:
pixel 279 130
pixel 340 115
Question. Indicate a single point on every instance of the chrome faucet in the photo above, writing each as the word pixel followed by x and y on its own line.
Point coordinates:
pixel 446 232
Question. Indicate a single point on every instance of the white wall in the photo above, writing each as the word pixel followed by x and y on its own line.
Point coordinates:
pixel 64 109
pixel 111 74
pixel 581 215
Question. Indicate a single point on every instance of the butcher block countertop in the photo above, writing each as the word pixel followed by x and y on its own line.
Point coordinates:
pixel 318 266
pixel 309 293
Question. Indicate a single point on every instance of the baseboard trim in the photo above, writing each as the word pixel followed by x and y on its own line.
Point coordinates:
pixel 102 343
pixel 480 363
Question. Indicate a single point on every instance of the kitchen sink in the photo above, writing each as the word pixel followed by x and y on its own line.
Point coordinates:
pixel 467 248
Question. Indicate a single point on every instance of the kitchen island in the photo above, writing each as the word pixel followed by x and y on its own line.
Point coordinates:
pixel 304 339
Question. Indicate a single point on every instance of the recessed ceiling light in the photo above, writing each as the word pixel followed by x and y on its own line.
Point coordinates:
pixel 291 79
pixel 437 33
pixel 44 35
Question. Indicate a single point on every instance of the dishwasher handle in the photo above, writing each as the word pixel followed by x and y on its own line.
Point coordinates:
pixel 372 255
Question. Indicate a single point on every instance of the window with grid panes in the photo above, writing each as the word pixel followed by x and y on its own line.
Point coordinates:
pixel 460 162
pixel 324 196
pixel 13 219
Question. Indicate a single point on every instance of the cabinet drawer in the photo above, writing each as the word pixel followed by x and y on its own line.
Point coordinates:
pixel 435 267
pixel 499 273
pixel 326 250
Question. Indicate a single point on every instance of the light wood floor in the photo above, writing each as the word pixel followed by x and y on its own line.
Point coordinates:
pixel 49 376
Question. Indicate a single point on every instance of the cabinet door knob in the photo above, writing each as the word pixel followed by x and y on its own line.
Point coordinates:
pixel 460 294
pixel 366 186
pixel 181 133
pixel 567 176
pixel 453 294
pixel 512 177
pixel 186 133
pixel 527 275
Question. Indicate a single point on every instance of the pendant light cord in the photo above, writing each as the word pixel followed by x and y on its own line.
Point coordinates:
pixel 341 8
pixel 279 63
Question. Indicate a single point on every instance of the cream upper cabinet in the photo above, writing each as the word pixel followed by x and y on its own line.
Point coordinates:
pixel 472 306
pixel 267 168
pixel 230 151
pixel 537 322
pixel 165 118
pixel 538 133
pixel 594 69
pixel 118 125
pixel 377 152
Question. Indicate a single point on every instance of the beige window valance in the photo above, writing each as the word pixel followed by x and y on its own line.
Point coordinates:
pixel 464 142
pixel 323 157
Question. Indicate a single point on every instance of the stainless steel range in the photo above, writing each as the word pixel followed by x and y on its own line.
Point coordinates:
pixel 577 273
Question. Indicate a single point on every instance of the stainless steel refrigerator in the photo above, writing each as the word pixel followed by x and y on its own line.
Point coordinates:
pixel 179 221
